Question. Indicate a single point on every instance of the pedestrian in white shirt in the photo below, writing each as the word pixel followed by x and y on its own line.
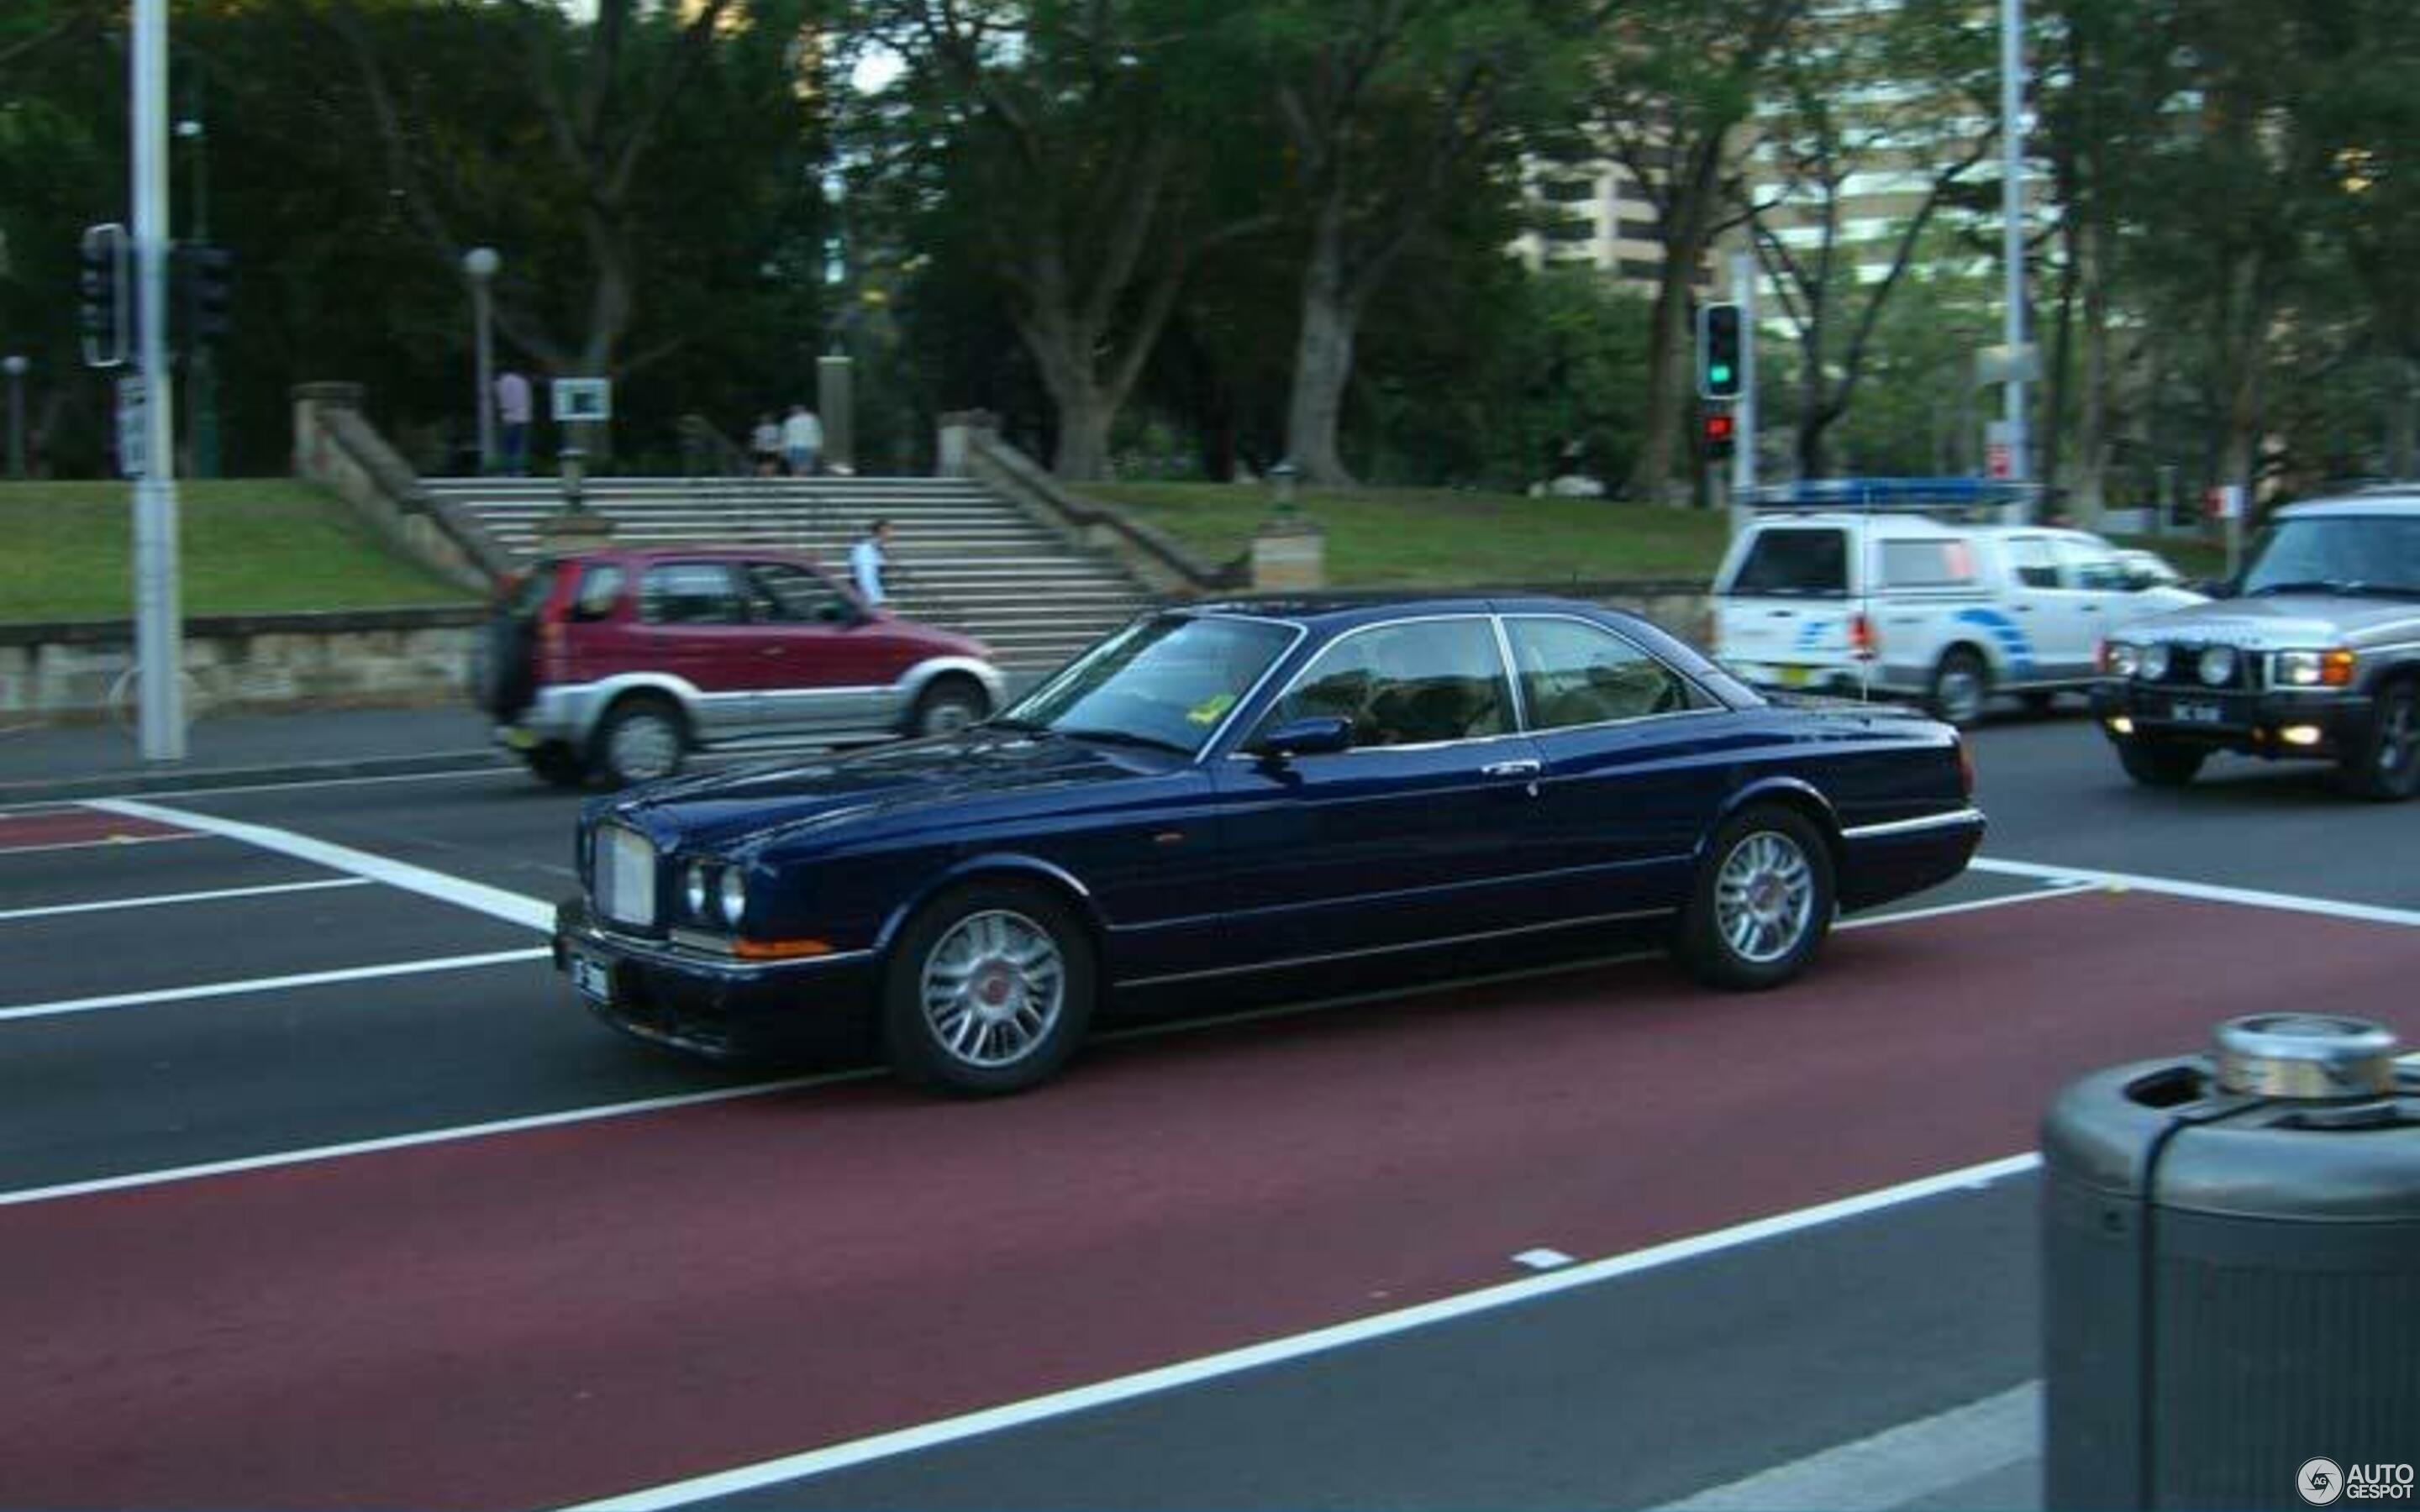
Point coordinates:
pixel 868 561
pixel 802 437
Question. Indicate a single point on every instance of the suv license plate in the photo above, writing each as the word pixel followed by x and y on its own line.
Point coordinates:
pixel 2194 711
pixel 594 979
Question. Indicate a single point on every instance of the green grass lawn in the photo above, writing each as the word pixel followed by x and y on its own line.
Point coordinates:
pixel 248 547
pixel 1436 538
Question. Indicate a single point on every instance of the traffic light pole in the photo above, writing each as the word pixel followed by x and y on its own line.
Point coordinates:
pixel 1743 431
pixel 159 648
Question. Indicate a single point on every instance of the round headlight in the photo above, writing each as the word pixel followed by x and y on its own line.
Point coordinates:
pixel 2120 658
pixel 2154 662
pixel 733 893
pixel 696 889
pixel 2217 666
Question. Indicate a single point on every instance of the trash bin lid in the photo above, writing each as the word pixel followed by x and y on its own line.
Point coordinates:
pixel 2305 1055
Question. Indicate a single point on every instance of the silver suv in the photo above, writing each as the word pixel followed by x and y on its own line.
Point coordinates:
pixel 2312 653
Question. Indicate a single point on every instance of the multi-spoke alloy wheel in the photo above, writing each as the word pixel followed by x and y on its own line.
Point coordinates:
pixel 1763 902
pixel 988 989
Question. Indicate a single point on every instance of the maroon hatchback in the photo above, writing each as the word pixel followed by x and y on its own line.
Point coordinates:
pixel 620 662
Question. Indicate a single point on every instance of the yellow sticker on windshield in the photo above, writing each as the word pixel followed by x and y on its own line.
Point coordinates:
pixel 1209 709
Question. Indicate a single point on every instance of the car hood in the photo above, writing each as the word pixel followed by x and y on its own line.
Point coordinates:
pixel 768 801
pixel 2287 621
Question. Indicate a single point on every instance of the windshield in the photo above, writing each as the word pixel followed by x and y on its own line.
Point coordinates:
pixel 1168 681
pixel 2337 554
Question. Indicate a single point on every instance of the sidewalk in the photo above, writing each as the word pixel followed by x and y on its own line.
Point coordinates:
pixel 42 763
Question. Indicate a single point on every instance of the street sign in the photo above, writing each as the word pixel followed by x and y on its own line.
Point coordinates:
pixel 583 400
pixel 132 427
pixel 2005 365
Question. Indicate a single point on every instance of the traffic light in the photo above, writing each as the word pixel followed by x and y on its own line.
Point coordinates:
pixel 1720 359
pixel 105 306
pixel 204 276
pixel 1717 431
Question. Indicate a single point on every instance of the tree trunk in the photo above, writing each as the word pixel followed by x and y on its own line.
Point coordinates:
pixel 1668 367
pixel 2402 418
pixel 1323 359
pixel 2092 415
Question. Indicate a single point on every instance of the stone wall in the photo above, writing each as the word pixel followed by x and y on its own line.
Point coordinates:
pixel 337 446
pixel 83 668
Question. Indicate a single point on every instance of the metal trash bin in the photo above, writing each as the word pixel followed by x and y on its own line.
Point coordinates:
pixel 2231 1284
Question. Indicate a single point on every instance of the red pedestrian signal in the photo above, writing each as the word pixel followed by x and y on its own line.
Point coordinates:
pixel 1717 432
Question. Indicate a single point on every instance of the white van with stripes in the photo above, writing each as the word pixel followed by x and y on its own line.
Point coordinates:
pixel 1897 590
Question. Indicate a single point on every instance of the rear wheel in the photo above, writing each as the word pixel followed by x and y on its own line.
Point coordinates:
pixel 2386 766
pixel 556 762
pixel 641 739
pixel 987 991
pixel 1763 902
pixel 948 706
pixel 2160 764
pixel 1961 684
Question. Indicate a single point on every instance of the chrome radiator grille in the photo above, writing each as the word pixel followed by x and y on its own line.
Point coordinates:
pixel 626 876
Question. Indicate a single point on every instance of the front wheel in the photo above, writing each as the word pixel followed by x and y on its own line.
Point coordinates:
pixel 947 707
pixel 987 991
pixel 2159 764
pixel 556 763
pixel 641 739
pixel 2386 766
pixel 1961 684
pixel 1763 902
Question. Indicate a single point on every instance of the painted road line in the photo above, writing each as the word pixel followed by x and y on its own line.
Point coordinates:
pixel 270 984
pixel 1894 1466
pixel 512 907
pixel 165 899
pixel 206 791
pixel 114 842
pixel 1906 916
pixel 2204 892
pixel 825 1460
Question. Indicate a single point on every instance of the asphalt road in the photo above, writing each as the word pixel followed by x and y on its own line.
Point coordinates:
pixel 319 1190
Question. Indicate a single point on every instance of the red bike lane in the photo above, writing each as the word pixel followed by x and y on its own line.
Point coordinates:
pixel 562 1314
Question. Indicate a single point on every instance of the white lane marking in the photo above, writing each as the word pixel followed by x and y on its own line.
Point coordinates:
pixel 2204 892
pixel 1907 916
pixel 239 1166
pixel 208 792
pixel 496 903
pixel 1276 1352
pixel 1896 1466
pixel 113 841
pixel 268 984
pixel 1543 1259
pixel 160 900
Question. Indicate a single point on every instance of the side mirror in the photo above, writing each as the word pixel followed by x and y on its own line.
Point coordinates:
pixel 1319 735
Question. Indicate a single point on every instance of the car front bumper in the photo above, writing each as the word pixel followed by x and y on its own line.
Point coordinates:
pixel 705 1004
pixel 2320 723
pixel 563 714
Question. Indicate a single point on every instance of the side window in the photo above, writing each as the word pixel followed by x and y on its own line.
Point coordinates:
pixel 2030 560
pixel 793 596
pixel 600 588
pixel 1794 560
pixel 1575 674
pixel 2098 571
pixel 1928 562
pixel 689 592
pixel 1407 684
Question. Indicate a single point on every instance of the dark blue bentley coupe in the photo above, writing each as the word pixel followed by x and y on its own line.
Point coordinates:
pixel 1235 788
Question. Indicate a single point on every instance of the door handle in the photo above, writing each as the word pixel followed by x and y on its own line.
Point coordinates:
pixel 2024 609
pixel 1522 768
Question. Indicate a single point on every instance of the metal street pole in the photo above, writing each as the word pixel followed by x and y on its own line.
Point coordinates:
pixel 2013 223
pixel 16 364
pixel 1744 433
pixel 159 640
pixel 479 266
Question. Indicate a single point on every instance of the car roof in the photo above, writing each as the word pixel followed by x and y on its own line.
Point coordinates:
pixel 2385 501
pixel 1340 611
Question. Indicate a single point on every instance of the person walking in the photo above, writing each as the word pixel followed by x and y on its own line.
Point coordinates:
pixel 868 560
pixel 764 445
pixel 513 415
pixel 802 437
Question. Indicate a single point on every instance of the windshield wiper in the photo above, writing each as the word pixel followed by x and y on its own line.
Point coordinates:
pixel 1128 738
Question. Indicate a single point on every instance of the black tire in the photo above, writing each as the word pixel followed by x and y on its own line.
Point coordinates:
pixel 642 738
pixel 946 706
pixel 1962 685
pixel 556 763
pixel 2039 704
pixel 2384 766
pixel 972 1007
pixel 2160 764
pixel 1726 936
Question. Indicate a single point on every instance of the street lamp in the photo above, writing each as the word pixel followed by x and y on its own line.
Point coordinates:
pixel 15 366
pixel 480 265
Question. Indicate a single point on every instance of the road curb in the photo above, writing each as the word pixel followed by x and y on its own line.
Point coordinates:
pixel 196 779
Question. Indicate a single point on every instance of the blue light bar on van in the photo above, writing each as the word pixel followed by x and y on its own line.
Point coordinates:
pixel 1913 494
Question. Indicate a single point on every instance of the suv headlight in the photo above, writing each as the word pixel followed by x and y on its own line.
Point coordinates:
pixel 2153 664
pixel 2311 669
pixel 2217 666
pixel 2120 658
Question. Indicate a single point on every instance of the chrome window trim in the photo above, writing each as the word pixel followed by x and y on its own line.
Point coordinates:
pixel 1956 818
pixel 1693 685
pixel 1287 962
pixel 1503 668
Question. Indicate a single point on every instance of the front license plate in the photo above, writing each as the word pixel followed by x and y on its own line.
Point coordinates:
pixel 2194 711
pixel 594 979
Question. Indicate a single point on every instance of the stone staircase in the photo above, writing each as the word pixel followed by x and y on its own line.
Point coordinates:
pixel 971 561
